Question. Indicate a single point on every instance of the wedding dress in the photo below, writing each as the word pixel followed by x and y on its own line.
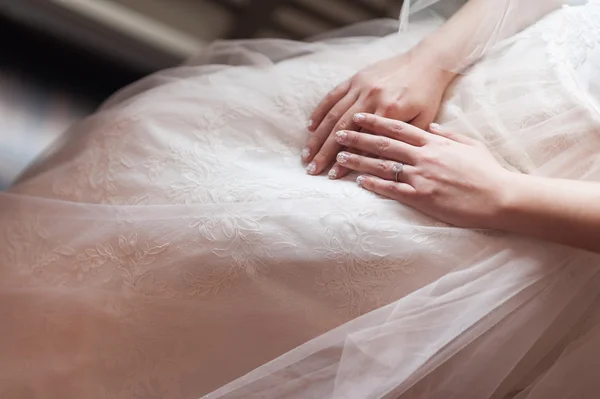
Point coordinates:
pixel 175 243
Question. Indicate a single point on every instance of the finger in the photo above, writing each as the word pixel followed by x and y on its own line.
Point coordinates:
pixel 422 121
pixel 328 151
pixel 439 130
pixel 377 167
pixel 324 130
pixel 397 111
pixel 380 146
pixel 338 171
pixel 391 128
pixel 401 192
pixel 326 104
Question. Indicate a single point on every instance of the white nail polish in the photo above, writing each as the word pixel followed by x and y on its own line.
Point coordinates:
pixel 360 180
pixel 333 173
pixel 435 126
pixel 311 168
pixel 309 123
pixel 305 153
pixel 343 157
pixel 341 136
pixel 358 118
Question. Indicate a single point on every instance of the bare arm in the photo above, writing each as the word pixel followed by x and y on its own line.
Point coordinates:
pixel 563 211
pixel 463 39
pixel 440 181
pixel 410 86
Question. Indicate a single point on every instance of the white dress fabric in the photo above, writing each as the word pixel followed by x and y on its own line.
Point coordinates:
pixel 176 244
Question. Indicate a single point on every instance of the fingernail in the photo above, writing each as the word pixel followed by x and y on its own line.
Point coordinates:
pixel 343 157
pixel 360 180
pixel 305 153
pixel 309 123
pixel 311 168
pixel 358 118
pixel 434 126
pixel 341 137
pixel 333 173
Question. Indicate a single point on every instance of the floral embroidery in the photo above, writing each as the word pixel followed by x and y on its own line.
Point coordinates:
pixel 30 247
pixel 200 176
pixel 361 268
pixel 124 263
pixel 240 240
pixel 155 167
pixel 94 172
pixel 571 40
pixel 207 178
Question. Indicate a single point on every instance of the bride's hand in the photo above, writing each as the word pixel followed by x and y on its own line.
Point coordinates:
pixel 408 87
pixel 444 175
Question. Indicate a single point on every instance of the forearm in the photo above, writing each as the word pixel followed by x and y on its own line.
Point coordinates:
pixel 563 211
pixel 465 37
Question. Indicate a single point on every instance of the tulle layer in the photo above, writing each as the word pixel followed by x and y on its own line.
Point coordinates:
pixel 518 320
pixel 175 243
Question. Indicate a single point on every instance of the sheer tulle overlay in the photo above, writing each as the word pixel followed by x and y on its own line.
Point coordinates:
pixel 175 242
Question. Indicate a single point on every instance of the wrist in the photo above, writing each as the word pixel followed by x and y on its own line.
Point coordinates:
pixel 431 56
pixel 510 195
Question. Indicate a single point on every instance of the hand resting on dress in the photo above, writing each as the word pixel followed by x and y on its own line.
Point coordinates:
pixel 457 180
pixel 448 176
pixel 408 87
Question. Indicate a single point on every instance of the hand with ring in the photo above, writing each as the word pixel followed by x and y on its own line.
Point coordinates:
pixel 445 175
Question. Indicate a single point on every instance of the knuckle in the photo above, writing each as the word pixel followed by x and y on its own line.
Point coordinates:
pixel 341 125
pixel 376 122
pixel 411 108
pixel 396 128
pixel 332 117
pixel 382 166
pixel 375 89
pixel 396 189
pixel 356 160
pixel 429 191
pixel 359 77
pixel 353 139
pixel 333 94
pixel 427 187
pixel 390 108
pixel 383 145
pixel 356 81
pixel 427 175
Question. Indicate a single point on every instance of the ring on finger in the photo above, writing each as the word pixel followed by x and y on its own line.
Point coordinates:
pixel 398 168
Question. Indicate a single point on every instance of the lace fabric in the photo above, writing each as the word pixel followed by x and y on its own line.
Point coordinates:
pixel 176 244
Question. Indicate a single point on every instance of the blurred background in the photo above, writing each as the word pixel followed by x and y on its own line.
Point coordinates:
pixel 61 58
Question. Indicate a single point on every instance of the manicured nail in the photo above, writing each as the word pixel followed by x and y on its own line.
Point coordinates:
pixel 360 180
pixel 435 126
pixel 309 124
pixel 333 173
pixel 358 118
pixel 341 137
pixel 305 153
pixel 311 168
pixel 343 157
